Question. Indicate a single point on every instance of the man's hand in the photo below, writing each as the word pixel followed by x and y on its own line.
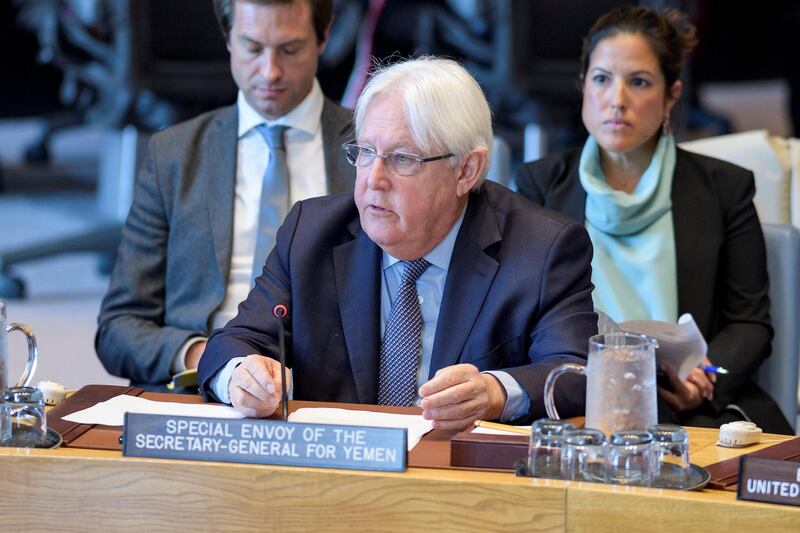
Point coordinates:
pixel 459 395
pixel 687 394
pixel 255 386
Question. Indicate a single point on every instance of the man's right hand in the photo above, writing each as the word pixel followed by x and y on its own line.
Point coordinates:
pixel 255 386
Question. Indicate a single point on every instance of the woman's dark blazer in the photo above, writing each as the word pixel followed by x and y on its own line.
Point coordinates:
pixel 721 268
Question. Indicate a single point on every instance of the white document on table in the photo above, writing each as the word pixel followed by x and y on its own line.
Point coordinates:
pixel 415 424
pixel 112 412
pixel 680 345
pixel 482 430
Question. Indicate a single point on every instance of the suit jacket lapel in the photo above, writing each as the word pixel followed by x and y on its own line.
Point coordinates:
pixel 683 220
pixel 571 201
pixel 337 129
pixel 357 273
pixel 469 278
pixel 220 147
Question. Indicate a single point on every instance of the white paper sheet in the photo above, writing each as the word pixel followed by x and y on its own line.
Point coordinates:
pixel 112 412
pixel 493 431
pixel 680 345
pixel 415 424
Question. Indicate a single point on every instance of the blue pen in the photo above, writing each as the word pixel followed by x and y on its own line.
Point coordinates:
pixel 711 369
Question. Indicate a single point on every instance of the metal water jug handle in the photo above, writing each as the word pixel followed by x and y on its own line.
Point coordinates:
pixel 33 352
pixel 550 383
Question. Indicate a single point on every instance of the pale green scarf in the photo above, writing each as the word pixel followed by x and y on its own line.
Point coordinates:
pixel 633 268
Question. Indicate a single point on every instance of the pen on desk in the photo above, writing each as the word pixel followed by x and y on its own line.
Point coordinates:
pixel 712 369
pixel 503 427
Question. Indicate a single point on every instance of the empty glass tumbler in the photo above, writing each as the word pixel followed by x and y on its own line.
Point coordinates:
pixel 545 447
pixel 630 458
pixel 22 417
pixel 583 455
pixel 670 455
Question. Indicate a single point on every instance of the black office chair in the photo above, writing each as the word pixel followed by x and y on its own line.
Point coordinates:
pixel 160 62
pixel 543 47
pixel 524 53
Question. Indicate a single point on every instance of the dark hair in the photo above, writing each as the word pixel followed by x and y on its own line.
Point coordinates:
pixel 670 35
pixel 321 14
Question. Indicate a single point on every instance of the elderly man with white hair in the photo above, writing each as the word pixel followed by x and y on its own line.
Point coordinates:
pixel 427 286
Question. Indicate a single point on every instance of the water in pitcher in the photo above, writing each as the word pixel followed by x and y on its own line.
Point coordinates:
pixel 621 390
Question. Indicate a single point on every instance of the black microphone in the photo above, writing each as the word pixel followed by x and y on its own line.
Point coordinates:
pixel 280 311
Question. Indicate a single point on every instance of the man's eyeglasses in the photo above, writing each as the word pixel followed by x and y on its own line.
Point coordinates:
pixel 398 163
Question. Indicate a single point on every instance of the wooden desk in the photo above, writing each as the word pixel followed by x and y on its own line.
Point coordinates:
pixel 72 489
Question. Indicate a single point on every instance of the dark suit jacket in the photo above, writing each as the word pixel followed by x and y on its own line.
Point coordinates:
pixel 721 263
pixel 517 297
pixel 172 267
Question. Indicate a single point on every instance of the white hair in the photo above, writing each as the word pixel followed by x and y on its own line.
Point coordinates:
pixel 444 106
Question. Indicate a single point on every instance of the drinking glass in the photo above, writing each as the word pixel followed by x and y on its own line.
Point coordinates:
pixel 545 447
pixel 583 455
pixel 630 458
pixel 670 455
pixel 22 417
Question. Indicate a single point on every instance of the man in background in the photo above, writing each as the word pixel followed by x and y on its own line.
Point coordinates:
pixel 214 189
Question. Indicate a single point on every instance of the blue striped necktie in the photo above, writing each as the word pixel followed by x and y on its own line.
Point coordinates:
pixel 274 204
pixel 402 341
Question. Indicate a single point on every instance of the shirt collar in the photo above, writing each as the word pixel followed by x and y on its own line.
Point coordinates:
pixel 441 253
pixel 304 117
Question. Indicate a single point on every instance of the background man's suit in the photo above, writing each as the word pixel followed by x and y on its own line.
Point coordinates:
pixel 174 259
pixel 721 271
pixel 517 297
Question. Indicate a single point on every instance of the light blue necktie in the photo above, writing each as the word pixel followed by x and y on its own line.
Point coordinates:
pixel 402 341
pixel 274 204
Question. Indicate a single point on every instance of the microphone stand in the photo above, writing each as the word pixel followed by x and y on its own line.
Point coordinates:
pixel 280 311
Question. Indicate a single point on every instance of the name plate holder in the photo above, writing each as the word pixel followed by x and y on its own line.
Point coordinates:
pixel 263 441
pixel 769 481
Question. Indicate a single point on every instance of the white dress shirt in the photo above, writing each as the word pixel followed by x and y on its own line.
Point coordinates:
pixel 306 161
